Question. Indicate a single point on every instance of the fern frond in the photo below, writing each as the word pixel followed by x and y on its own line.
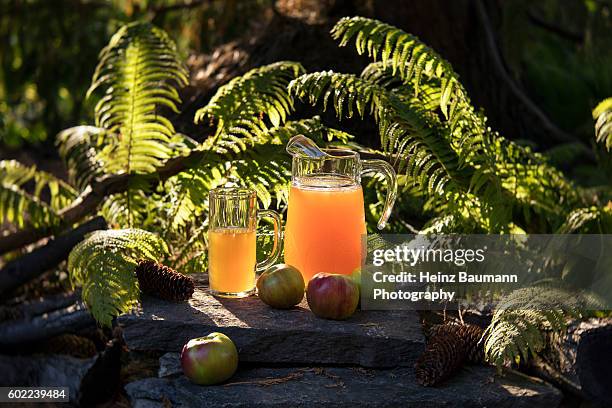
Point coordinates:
pixel 521 320
pixel 264 167
pixel 603 123
pixel 404 53
pixel 190 256
pixel 21 195
pixel 588 220
pixel 535 185
pixel 103 265
pixel 405 131
pixel 248 106
pixel 78 148
pixel 20 208
pixel 135 206
pixel 187 192
pixel 418 76
pixel 138 71
pixel 60 193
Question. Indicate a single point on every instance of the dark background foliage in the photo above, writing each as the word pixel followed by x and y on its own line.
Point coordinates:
pixel 537 68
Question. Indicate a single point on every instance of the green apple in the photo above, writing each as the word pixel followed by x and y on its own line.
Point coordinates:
pixel 281 286
pixel 209 360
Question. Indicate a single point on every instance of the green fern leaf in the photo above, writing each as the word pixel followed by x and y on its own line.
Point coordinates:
pixel 249 105
pixel 500 175
pixel 21 209
pixel 21 191
pixel 408 132
pixel 103 265
pixel 603 123
pixel 588 220
pixel 522 319
pixel 139 71
pixel 404 53
pixel 78 148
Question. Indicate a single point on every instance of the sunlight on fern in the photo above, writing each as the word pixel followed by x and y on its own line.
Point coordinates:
pixel 249 105
pixel 521 320
pixel 103 265
pixel 603 123
pixel 78 148
pixel 21 191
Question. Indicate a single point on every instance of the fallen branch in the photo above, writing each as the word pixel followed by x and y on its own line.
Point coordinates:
pixel 40 260
pixel 31 308
pixel 69 319
pixel 544 370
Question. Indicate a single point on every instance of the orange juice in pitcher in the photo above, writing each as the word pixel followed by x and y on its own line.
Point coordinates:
pixel 326 228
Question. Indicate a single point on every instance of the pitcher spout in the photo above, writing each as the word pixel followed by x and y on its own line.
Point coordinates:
pixel 302 146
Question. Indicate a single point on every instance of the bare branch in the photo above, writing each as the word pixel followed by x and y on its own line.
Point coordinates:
pixel 35 263
pixel 70 319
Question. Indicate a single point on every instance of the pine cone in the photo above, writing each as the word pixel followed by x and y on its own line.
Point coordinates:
pixel 163 282
pixel 444 354
pixel 471 335
pixel 70 344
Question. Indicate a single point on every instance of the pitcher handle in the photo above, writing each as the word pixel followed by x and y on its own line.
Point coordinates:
pixel 384 168
pixel 277 239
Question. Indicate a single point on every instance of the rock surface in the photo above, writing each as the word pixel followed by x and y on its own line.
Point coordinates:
pixel 90 381
pixel 581 357
pixel 341 387
pixel 265 335
pixel 46 371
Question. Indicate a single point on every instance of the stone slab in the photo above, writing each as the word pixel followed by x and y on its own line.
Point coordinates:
pixel 350 387
pixel 46 371
pixel 265 335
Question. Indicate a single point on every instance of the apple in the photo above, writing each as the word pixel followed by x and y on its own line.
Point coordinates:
pixel 332 296
pixel 209 360
pixel 281 286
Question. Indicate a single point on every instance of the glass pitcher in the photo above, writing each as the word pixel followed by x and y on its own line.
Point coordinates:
pixel 325 215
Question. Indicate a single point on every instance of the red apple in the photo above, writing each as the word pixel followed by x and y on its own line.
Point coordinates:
pixel 332 296
pixel 281 286
pixel 209 360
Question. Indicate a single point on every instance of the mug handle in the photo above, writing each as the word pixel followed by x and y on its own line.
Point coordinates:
pixel 277 239
pixel 384 168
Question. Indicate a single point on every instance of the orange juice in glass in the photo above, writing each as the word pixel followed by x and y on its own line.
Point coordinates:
pixel 232 241
pixel 326 228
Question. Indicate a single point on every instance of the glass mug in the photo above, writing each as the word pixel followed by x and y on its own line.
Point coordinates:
pixel 232 241
pixel 325 214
